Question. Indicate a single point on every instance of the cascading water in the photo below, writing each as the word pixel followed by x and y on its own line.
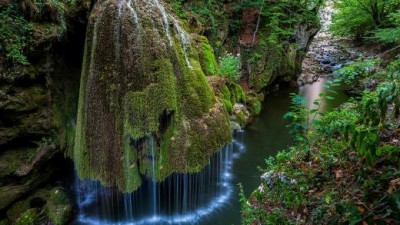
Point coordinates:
pixel 142 84
pixel 183 35
pixel 143 101
pixel 180 199
pixel 147 115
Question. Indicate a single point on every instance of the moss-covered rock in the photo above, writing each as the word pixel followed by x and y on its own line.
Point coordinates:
pixel 207 57
pixel 274 42
pixel 144 98
pixel 29 217
pixel 59 206
pixel 45 206
pixel 24 170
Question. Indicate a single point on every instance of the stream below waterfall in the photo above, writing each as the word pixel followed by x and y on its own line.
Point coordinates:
pixel 210 197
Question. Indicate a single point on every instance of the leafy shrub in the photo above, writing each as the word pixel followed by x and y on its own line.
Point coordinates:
pixel 14 31
pixel 357 70
pixel 297 117
pixel 230 67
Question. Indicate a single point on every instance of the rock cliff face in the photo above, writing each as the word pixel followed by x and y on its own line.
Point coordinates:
pixel 269 56
pixel 38 98
pixel 144 98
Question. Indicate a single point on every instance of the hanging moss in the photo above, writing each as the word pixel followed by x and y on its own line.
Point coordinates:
pixel 230 94
pixel 144 100
pixel 207 57
pixel 237 93
pixel 254 103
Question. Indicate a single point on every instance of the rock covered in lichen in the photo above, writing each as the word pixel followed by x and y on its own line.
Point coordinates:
pixel 145 107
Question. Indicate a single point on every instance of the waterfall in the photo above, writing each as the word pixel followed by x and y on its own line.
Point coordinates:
pixel 153 182
pixel 180 199
pixel 165 19
pixel 183 35
pixel 141 110
pixel 185 41
pixel 133 12
pixel 137 67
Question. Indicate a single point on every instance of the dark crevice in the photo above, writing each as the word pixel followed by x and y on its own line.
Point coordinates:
pixel 23 141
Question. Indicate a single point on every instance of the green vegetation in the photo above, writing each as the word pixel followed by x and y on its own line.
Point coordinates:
pixel 392 34
pixel 345 162
pixel 52 205
pixel 14 34
pixel 230 67
pixel 344 165
pixel 29 217
pixel 207 58
pixel 28 23
pixel 359 19
pixel 155 105
pixel 271 50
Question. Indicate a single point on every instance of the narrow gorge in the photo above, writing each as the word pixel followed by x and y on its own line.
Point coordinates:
pixel 125 112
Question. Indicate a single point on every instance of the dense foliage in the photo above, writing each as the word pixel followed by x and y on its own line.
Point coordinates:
pixel 345 163
pixel 14 31
pixel 230 67
pixel 358 19
pixel 26 22
pixel 392 34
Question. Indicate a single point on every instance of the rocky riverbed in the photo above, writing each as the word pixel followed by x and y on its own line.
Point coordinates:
pixel 326 53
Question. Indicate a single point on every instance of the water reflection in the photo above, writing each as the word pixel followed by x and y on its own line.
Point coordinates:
pixel 312 92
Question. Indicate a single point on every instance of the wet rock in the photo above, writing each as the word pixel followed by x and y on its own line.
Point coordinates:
pixel 22 170
pixel 326 69
pixel 325 55
pixel 300 82
pixel 325 62
pixel 271 178
pixel 267 177
pixel 235 126
pixel 240 114
pixel 174 89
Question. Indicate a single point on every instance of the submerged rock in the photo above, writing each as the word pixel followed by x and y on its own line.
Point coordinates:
pixel 144 99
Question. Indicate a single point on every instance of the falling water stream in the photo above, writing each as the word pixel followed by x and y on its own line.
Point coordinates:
pixel 209 197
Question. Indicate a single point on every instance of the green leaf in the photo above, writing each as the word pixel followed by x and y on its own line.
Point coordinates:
pixel 329 97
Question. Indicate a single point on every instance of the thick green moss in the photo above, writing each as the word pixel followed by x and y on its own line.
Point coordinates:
pixel 29 217
pixel 230 94
pixel 143 108
pixel 254 102
pixel 143 101
pixel 53 204
pixel 59 206
pixel 207 57
pixel 226 98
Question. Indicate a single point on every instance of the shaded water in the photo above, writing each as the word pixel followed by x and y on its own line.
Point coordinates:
pixel 210 197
